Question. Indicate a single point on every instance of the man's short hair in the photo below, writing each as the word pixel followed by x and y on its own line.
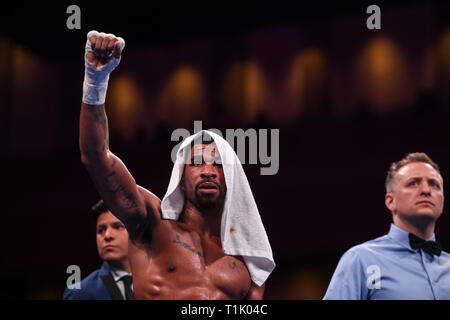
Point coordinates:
pixel 98 208
pixel 409 158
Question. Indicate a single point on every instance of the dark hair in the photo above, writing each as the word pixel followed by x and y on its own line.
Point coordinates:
pixel 99 208
pixel 409 158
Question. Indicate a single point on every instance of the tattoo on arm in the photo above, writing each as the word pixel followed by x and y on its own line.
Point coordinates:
pixel 100 117
pixel 234 266
pixel 126 197
pixel 99 114
pixel 187 246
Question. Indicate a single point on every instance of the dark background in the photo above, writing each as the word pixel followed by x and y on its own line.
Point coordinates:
pixel 347 101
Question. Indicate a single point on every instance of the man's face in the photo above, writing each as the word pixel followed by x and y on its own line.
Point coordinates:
pixel 203 181
pixel 418 192
pixel 112 238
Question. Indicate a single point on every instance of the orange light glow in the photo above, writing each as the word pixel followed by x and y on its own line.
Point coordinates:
pixel 382 77
pixel 443 64
pixel 183 97
pixel 245 91
pixel 124 105
pixel 305 82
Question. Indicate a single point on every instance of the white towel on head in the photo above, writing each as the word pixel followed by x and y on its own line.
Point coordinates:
pixel 242 231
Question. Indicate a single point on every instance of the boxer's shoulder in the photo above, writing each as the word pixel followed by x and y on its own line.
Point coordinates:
pixel 152 202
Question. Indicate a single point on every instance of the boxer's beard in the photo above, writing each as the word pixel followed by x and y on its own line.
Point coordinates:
pixel 209 202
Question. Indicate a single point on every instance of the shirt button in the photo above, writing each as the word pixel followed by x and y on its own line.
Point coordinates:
pixel 434 283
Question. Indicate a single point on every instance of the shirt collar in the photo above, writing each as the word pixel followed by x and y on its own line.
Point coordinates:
pixel 117 273
pixel 401 236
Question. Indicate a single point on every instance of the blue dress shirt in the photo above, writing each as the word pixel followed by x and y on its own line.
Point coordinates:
pixel 387 268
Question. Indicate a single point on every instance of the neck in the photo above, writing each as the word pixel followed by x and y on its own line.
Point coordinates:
pixel 422 229
pixel 122 265
pixel 205 221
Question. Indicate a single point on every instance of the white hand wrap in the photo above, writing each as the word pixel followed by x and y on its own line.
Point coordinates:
pixel 96 78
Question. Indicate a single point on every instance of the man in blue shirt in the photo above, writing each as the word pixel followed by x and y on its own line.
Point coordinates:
pixel 407 263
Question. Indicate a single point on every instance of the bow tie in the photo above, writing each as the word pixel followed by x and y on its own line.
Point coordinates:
pixel 433 246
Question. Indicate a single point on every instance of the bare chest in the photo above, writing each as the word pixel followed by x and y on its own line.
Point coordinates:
pixel 183 262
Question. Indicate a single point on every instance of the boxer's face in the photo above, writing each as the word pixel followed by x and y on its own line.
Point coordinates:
pixel 418 192
pixel 112 238
pixel 203 181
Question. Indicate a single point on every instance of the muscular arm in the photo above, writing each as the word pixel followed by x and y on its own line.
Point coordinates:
pixel 129 202
pixel 114 182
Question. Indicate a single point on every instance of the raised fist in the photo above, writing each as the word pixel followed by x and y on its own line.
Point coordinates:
pixel 101 47
pixel 102 55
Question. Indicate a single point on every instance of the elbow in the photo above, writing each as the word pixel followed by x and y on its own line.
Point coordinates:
pixel 90 159
pixel 85 160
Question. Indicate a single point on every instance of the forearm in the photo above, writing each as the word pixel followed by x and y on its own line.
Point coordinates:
pixel 102 55
pixel 94 136
pixel 112 179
